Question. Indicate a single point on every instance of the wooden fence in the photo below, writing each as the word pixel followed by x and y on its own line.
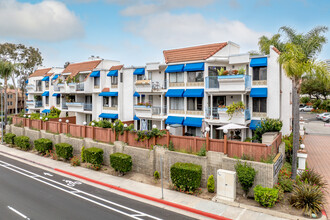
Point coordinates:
pixel 180 143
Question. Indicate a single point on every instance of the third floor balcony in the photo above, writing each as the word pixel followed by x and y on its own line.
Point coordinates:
pixel 239 83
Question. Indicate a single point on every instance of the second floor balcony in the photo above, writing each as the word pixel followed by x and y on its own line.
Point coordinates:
pixel 148 111
pixel 149 86
pixel 34 104
pixel 220 115
pixel 228 83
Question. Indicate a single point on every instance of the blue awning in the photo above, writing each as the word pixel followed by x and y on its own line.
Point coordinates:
pixel 193 122
pixel 255 124
pixel 95 74
pixel 136 94
pixel 26 94
pixel 26 110
pixel 108 94
pixel 139 71
pixel 45 93
pixel 174 93
pixel 136 118
pixel 46 78
pixel 194 67
pixel 56 94
pixel 261 61
pixel 258 92
pixel 46 111
pixel 27 81
pixel 113 73
pixel 55 77
pixel 106 115
pixel 194 93
pixel 174 68
pixel 174 120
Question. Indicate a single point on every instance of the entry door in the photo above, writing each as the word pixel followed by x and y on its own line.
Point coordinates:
pixel 88 99
pixel 219 100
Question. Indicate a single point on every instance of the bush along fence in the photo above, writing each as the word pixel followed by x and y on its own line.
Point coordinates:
pixel 145 139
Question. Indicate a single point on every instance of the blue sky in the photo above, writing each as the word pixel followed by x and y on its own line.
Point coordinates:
pixel 137 31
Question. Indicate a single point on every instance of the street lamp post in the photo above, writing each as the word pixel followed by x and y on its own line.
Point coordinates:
pixel 1 118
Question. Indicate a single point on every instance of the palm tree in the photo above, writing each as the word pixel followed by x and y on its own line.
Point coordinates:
pixel 6 69
pixel 298 58
pixel 265 42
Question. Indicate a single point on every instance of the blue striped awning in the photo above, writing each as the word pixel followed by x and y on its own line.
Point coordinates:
pixel 95 74
pixel 27 81
pixel 136 94
pixel 261 61
pixel 46 111
pixel 113 73
pixel 107 115
pixel 194 67
pixel 26 110
pixel 56 94
pixel 139 71
pixel 258 92
pixel 108 94
pixel 55 77
pixel 46 78
pixel 136 118
pixel 45 93
pixel 194 93
pixel 193 122
pixel 175 68
pixel 174 93
pixel 26 94
pixel 255 124
pixel 174 120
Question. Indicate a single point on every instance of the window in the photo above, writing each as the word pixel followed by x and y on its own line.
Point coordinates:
pixel 151 99
pixel 38 83
pixel 260 105
pixel 176 77
pixel 105 101
pixel 114 80
pixel 176 103
pixel 149 75
pixel 195 104
pixel 114 101
pixel 259 73
pixel 47 100
pixel 140 77
pixel 196 76
pixel 58 100
pixel 96 81
pixel 193 131
pixel 121 77
pixel 47 84
pixel 213 70
pixel 143 98
pixel 88 118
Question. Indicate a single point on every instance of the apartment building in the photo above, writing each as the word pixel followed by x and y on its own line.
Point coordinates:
pixel 11 101
pixel 195 86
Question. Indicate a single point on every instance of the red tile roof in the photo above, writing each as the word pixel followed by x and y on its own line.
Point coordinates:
pixel 276 50
pixel 75 68
pixel 192 53
pixel 40 72
pixel 116 67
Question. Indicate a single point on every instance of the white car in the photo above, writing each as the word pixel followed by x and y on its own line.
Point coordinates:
pixel 307 108
pixel 326 118
pixel 319 116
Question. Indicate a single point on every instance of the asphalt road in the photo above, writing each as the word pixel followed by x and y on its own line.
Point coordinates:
pixel 27 192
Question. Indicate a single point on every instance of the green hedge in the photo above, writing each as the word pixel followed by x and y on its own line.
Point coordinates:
pixel 265 196
pixel 22 142
pixel 93 155
pixel 121 162
pixel 64 150
pixel 43 145
pixel 9 138
pixel 186 176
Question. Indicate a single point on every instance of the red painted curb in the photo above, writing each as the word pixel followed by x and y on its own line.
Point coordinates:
pixel 323 213
pixel 196 211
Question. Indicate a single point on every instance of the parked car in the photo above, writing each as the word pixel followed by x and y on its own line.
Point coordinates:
pixel 326 118
pixel 301 105
pixel 319 116
pixel 307 108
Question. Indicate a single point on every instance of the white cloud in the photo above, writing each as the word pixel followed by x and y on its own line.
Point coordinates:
pixel 47 21
pixel 166 31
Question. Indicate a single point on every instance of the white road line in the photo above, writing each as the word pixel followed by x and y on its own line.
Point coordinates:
pixel 17 212
pixel 75 191
pixel 241 214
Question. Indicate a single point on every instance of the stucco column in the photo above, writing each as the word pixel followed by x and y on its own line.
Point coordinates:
pixel 161 104
pixel 302 157
pixel 211 131
pixel 211 100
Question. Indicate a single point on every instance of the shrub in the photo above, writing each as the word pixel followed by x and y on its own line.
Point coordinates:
pixel 9 138
pixel 43 145
pixel 267 125
pixel 121 162
pixel 202 152
pixel 305 100
pixel 210 184
pixel 265 196
pixel 246 175
pixel 156 175
pixel 286 184
pixel 186 176
pixel 83 154
pixel 171 146
pixel 280 192
pixel 64 150
pixel 22 142
pixel 307 197
pixel 312 178
pixel 93 155
pixel 75 161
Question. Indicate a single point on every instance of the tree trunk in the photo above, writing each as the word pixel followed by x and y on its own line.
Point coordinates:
pixel 5 101
pixel 295 128
pixel 16 93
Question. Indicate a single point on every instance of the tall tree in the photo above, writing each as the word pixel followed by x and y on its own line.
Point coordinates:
pixel 298 58
pixel 265 42
pixel 6 70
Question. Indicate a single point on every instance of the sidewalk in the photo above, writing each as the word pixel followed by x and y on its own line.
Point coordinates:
pixel 228 210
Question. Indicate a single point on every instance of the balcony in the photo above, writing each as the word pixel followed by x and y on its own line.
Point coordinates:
pixel 157 110
pixel 80 87
pixel 88 106
pixel 143 111
pixel 64 106
pixel 75 106
pixel 38 88
pixel 56 88
pixel 149 86
pixel 38 104
pixel 228 83
pixel 237 118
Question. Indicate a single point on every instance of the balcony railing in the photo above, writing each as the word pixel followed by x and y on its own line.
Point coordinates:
pixel 64 106
pixel 88 106
pixel 39 88
pixel 38 104
pixel 80 87
pixel 211 82
pixel 157 110
pixel 214 112
pixel 56 88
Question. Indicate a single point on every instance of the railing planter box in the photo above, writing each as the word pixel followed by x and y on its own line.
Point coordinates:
pixel 75 106
pixel 143 111
pixel 60 84
pixel 230 77
pixel 30 86
pixel 234 83
pixel 71 84
pixel 222 110
pixel 141 106
pixel 239 117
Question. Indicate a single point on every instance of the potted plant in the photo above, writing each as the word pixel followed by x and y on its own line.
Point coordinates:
pixel 235 107
pixel 234 72
pixel 241 71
